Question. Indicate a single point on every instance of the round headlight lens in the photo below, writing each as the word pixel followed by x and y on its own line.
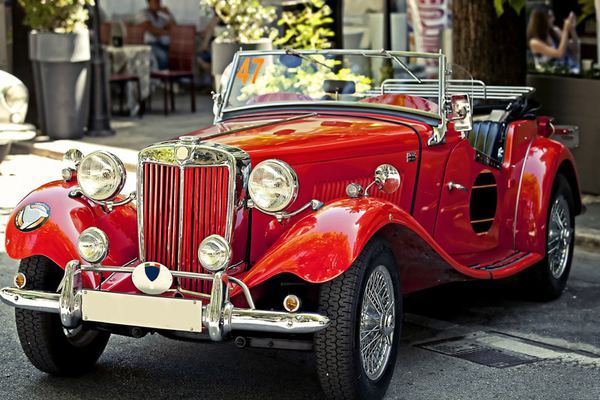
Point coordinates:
pixel 214 253
pixel 273 185
pixel 16 97
pixel 101 175
pixel 92 245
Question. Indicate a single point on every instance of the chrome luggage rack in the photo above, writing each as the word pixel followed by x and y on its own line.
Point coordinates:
pixel 476 89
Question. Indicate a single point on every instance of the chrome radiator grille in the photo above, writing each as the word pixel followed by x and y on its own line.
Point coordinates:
pixel 180 206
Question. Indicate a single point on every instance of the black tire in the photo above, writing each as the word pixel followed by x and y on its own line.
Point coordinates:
pixel 538 282
pixel 41 334
pixel 337 348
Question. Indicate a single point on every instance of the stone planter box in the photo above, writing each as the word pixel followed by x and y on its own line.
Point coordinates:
pixel 574 101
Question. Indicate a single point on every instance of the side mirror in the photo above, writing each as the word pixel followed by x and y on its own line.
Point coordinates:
pixel 461 113
pixel 387 178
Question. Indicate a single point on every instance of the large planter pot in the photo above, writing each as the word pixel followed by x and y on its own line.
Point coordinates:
pixel 61 70
pixel 223 52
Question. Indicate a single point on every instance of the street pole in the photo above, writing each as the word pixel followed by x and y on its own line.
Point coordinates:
pixel 387 68
pixel 387 31
pixel 99 119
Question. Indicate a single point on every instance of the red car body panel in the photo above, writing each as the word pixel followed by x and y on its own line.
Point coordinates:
pixel 57 238
pixel 424 223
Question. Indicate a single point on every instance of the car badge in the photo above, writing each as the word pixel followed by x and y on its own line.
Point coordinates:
pixel 411 156
pixel 152 278
pixel 182 153
pixel 32 216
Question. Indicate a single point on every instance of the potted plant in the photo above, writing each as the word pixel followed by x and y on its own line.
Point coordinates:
pixel 247 27
pixel 59 48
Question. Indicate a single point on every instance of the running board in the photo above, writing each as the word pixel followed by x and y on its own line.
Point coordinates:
pixel 509 264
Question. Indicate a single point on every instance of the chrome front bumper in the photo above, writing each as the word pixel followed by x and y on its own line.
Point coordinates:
pixel 75 305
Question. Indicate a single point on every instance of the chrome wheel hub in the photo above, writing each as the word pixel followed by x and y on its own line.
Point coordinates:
pixel 560 235
pixel 377 323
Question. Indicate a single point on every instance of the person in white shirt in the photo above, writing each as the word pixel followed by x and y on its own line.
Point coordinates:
pixel 157 22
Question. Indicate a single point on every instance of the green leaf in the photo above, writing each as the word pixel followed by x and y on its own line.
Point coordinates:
pixel 499 6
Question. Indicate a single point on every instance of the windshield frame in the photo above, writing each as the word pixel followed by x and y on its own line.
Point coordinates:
pixel 222 112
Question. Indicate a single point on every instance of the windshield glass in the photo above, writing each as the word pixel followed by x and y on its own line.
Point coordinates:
pixel 381 78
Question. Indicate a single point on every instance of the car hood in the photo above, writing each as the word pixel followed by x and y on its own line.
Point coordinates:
pixel 304 139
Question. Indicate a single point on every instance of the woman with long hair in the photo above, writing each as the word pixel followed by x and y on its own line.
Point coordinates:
pixel 551 45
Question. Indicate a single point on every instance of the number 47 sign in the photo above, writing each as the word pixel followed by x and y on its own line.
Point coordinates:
pixel 243 73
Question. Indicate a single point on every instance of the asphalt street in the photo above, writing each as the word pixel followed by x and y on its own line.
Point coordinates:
pixel 473 340
pixel 561 336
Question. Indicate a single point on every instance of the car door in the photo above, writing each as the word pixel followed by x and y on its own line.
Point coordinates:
pixel 468 214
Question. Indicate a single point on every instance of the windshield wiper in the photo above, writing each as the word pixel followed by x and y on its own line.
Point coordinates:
pixel 386 53
pixel 296 53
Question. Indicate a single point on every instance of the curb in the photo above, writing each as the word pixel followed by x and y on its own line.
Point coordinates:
pixel 588 239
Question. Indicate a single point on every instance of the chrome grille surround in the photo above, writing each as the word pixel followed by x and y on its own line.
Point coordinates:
pixel 208 154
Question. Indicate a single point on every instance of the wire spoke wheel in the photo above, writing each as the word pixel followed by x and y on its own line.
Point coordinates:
pixel 560 235
pixel 377 323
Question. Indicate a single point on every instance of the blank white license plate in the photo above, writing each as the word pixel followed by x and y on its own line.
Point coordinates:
pixel 142 311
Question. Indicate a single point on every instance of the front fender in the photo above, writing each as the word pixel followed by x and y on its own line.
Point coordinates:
pixel 324 244
pixel 545 159
pixel 56 239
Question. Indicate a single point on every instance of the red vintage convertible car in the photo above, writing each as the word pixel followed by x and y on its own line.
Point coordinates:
pixel 317 200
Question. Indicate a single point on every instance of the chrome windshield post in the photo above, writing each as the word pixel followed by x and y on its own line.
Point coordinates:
pixel 440 132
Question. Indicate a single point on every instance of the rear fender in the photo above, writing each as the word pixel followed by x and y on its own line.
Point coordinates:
pixel 324 244
pixel 56 239
pixel 546 158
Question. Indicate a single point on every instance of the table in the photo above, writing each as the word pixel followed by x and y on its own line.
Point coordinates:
pixel 132 60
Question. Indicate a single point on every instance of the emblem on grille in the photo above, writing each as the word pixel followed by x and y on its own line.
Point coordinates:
pixel 152 278
pixel 182 153
pixel 32 216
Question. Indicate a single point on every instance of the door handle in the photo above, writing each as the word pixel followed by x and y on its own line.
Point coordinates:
pixel 457 186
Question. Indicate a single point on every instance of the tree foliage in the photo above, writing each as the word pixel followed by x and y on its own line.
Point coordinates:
pixel 517 5
pixel 61 16
pixel 245 20
pixel 308 28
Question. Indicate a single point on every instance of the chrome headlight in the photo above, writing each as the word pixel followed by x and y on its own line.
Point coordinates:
pixel 214 253
pixel 92 245
pixel 16 97
pixel 273 185
pixel 101 175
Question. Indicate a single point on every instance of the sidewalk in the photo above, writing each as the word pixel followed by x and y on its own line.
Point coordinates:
pixel 133 134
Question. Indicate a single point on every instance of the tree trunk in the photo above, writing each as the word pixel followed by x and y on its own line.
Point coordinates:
pixel 493 49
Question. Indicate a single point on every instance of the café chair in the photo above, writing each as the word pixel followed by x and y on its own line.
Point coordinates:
pixel 182 51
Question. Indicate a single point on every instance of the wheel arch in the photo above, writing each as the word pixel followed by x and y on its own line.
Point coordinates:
pixel 56 239
pixel 567 169
pixel 546 159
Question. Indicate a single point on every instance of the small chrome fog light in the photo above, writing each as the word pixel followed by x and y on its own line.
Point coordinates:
pixel 92 245
pixel 20 280
pixel 291 303
pixel 214 253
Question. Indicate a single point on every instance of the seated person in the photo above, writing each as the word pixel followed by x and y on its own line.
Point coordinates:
pixel 550 45
pixel 157 22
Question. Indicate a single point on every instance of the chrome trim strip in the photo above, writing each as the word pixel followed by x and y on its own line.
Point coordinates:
pixel 308 104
